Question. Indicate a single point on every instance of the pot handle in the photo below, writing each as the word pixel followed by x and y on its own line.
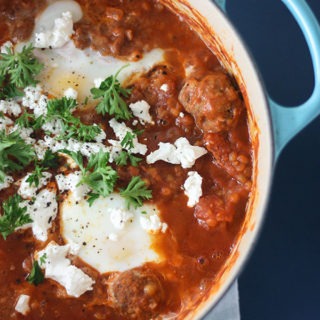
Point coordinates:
pixel 287 122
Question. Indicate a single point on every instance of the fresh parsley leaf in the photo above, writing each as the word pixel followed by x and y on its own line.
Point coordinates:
pixel 100 177
pixel 29 120
pixel 97 175
pixel 49 161
pixel 112 94
pixel 36 275
pixel 9 91
pixel 72 126
pixel 35 176
pixel 43 259
pixel 124 156
pixel 20 68
pixel 92 197
pixel 13 215
pixel 127 141
pixel 15 154
pixel 136 192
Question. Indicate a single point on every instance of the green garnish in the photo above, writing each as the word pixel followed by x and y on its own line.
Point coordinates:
pixel 13 215
pixel 19 68
pixel 112 94
pixel 49 161
pixel 125 155
pixel 98 175
pixel 15 154
pixel 29 120
pixel 43 259
pixel 36 275
pixel 72 126
pixel 136 192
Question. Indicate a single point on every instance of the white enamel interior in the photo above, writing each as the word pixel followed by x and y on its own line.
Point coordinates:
pixel 215 29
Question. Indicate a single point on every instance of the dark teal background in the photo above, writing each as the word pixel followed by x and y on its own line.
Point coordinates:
pixel 282 279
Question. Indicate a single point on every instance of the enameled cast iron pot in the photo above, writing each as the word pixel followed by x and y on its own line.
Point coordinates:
pixel 271 125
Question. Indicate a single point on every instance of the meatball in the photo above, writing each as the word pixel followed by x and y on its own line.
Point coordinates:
pixel 137 293
pixel 227 156
pixel 213 101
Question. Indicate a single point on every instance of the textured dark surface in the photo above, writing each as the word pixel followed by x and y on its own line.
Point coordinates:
pixel 281 280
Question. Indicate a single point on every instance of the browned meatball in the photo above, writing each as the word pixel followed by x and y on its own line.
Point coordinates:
pixel 227 156
pixel 213 101
pixel 137 293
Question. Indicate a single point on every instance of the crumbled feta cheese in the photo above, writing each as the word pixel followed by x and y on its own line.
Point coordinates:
pixel 166 152
pixel 164 87
pixel 187 153
pixel 89 148
pixel 22 305
pixel 71 93
pixel 70 182
pixel 10 107
pixel 59 35
pixel 135 122
pixel 5 122
pixel 120 130
pixel 180 153
pixel 6 183
pixel 28 191
pixel 24 133
pixel 192 188
pixel 152 223
pixel 5 46
pixel 119 217
pixel 140 110
pixel 97 82
pixel 101 136
pixel 54 126
pixel 59 268
pixel 35 100
pixel 42 212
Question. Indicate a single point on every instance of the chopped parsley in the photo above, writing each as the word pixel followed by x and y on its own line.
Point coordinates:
pixel 49 161
pixel 97 175
pixel 15 154
pixel 136 192
pixel 36 275
pixel 112 94
pixel 29 120
pixel 72 127
pixel 18 70
pixel 13 215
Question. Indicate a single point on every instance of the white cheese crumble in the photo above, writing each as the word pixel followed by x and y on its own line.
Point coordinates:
pixel 42 212
pixel 10 107
pixel 101 136
pixel 120 217
pixel 71 93
pixel 29 191
pixel 164 87
pixel 5 122
pixel 140 109
pixel 58 268
pixel 54 126
pixel 182 152
pixel 22 305
pixel 120 130
pixel 24 133
pixel 59 35
pixel 6 183
pixel 35 100
pixel 152 223
pixel 70 182
pixel 192 188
